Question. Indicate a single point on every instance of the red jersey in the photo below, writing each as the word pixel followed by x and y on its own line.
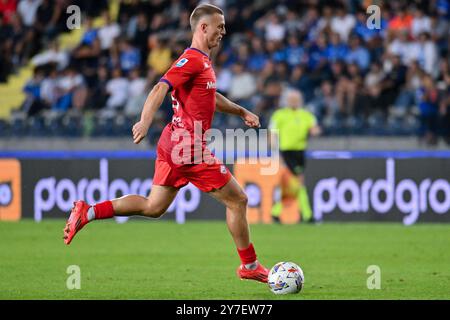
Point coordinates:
pixel 193 84
pixel 192 80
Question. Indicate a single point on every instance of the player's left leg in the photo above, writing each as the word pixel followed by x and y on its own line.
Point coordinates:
pixel 235 200
pixel 154 206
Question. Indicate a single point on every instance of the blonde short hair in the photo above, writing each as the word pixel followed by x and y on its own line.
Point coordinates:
pixel 202 10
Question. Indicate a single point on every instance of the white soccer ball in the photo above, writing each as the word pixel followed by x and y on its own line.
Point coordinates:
pixel 286 277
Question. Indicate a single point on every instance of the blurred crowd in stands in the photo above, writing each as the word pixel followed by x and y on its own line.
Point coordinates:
pixel 391 80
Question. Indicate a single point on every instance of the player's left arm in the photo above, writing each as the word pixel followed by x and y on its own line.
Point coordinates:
pixel 226 106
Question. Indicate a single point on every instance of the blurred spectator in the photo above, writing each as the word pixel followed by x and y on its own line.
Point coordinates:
pixel 117 89
pixel 140 35
pixel 295 54
pixel 420 24
pixel 33 103
pixel 130 56
pixel 325 103
pixel 108 33
pixel 90 34
pixel 242 85
pixel 85 56
pixel 160 57
pixel 336 50
pixel 292 23
pixel 27 10
pixel 439 30
pixel 401 22
pixel 52 56
pixel 370 99
pixel 49 88
pixel 400 46
pixel 392 83
pixel 47 17
pixel 318 54
pixel 347 88
pixel 5 51
pixel 311 23
pixel 224 77
pixel 425 52
pixel 136 93
pixel 427 96
pixel 14 45
pixel 324 22
pixel 274 30
pixel 300 80
pixel 242 55
pixel 258 57
pixel 444 106
pixel 270 87
pixel 157 23
pixel 234 23
pixel 98 93
pixel 358 54
pixel 406 97
pixel 342 23
pixel 71 91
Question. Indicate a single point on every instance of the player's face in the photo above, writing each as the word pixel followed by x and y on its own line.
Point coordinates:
pixel 215 30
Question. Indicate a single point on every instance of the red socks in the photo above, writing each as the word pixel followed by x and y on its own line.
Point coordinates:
pixel 247 255
pixel 104 210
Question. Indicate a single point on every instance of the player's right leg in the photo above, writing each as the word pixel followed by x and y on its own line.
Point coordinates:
pixel 235 200
pixel 154 206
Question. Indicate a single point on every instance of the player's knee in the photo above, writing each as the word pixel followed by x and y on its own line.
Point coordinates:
pixel 237 202
pixel 242 199
pixel 153 211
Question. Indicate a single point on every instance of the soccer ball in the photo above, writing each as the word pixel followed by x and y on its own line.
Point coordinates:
pixel 286 277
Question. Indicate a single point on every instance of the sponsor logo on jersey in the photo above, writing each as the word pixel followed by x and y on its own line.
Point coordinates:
pixel 210 85
pixel 206 65
pixel 223 169
pixel 182 62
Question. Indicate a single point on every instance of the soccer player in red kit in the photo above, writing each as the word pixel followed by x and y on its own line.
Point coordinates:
pixel 192 82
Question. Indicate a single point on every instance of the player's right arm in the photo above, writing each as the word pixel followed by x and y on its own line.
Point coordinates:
pixel 184 69
pixel 151 105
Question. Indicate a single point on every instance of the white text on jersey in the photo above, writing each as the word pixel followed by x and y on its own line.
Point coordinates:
pixel 210 85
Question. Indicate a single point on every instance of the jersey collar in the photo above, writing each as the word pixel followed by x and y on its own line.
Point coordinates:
pixel 198 50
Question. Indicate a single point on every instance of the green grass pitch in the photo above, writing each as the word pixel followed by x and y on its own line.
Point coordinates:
pixel 145 259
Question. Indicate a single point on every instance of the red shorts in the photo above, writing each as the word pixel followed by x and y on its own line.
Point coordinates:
pixel 204 176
